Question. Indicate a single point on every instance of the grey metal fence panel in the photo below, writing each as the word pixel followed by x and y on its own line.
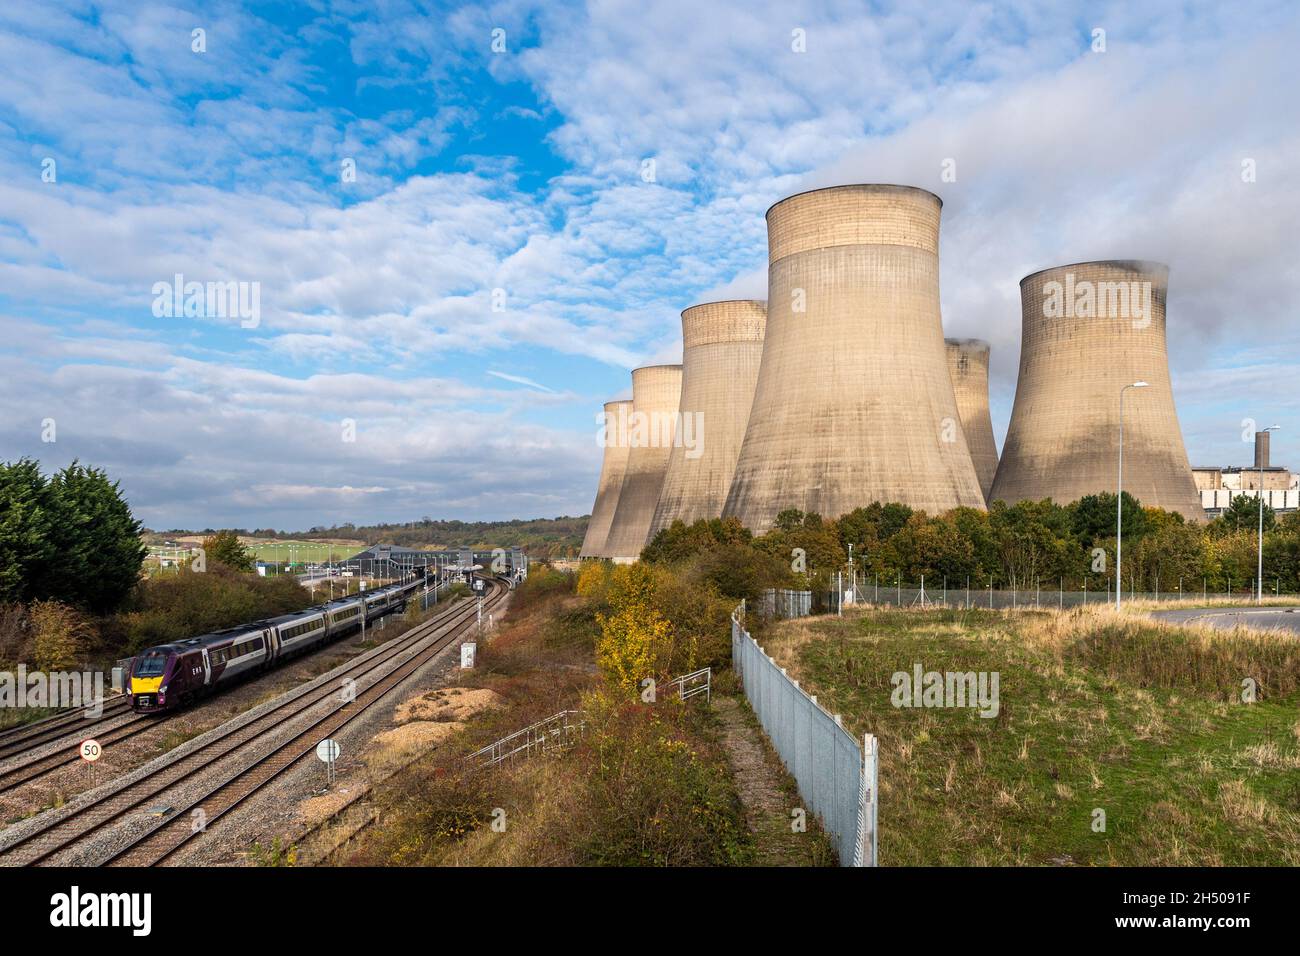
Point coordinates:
pixel 1045 597
pixel 824 759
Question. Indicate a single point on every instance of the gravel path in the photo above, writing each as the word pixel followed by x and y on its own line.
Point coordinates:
pixel 765 788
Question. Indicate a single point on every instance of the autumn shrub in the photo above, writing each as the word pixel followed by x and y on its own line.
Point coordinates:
pixel 633 633
pixel 61 636
pixel 657 789
pixel 542 585
pixel 173 607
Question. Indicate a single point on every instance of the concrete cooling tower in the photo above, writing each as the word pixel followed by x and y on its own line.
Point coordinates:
pixel 612 467
pixel 656 391
pixel 853 402
pixel 968 366
pixel 1089 329
pixel 722 345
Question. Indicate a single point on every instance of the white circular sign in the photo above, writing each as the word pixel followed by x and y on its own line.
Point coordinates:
pixel 90 750
pixel 328 751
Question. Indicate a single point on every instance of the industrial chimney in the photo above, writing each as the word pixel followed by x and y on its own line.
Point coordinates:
pixel 722 345
pixel 968 366
pixel 1261 448
pixel 613 438
pixel 853 403
pixel 656 391
pixel 1089 329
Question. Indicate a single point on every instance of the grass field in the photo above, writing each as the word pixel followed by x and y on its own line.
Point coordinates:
pixel 1098 714
pixel 303 552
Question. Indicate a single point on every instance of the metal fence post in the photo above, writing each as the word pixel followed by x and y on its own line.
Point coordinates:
pixel 867 813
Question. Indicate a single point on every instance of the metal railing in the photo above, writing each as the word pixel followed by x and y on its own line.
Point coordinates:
pixel 693 684
pixel 557 732
pixel 786 603
pixel 560 731
pixel 836 778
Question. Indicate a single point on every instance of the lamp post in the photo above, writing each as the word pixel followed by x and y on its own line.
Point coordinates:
pixel 1119 498
pixel 1259 492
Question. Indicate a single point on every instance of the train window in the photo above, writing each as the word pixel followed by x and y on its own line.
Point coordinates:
pixel 150 665
pixel 299 629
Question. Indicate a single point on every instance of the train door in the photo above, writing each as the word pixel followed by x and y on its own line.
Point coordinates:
pixel 207 668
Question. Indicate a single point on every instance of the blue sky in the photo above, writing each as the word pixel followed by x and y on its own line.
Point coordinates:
pixel 520 170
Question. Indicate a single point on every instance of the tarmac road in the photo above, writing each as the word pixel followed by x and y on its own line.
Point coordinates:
pixel 1226 617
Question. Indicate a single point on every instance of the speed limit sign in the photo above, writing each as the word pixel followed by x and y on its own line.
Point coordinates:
pixel 91 750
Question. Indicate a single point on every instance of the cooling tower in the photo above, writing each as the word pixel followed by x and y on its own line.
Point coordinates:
pixel 1089 329
pixel 853 402
pixel 968 366
pixel 722 345
pixel 656 391
pixel 612 467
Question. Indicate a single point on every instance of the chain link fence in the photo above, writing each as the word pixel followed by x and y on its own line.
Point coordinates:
pixel 837 779
pixel 959 596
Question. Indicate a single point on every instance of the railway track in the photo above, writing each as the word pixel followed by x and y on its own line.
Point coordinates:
pixel 411 651
pixel 16 740
pixel 70 725
pixel 37 766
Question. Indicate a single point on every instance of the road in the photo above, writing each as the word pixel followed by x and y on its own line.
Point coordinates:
pixel 1226 617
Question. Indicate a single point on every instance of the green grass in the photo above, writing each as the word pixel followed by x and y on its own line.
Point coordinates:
pixel 304 552
pixel 1140 720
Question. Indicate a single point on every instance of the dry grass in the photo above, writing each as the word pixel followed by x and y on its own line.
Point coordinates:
pixel 645 785
pixel 1141 719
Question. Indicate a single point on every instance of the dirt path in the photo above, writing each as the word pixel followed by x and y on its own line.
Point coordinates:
pixel 767 791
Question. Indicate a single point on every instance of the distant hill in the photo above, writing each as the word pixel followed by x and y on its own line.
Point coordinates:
pixel 542 538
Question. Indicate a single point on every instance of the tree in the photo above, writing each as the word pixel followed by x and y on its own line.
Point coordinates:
pixel 629 634
pixel 1092 518
pixel 1034 540
pixel 680 541
pixel 788 520
pixel 60 636
pixel 1243 515
pixel 224 547
pixel 95 538
pixel 24 529
pixel 71 538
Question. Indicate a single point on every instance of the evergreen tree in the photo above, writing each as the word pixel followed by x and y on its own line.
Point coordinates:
pixel 225 548
pixel 24 529
pixel 71 538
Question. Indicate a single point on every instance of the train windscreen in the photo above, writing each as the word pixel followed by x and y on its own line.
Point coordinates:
pixel 150 665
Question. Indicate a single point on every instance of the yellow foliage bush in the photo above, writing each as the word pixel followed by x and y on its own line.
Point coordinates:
pixel 593 581
pixel 633 630
pixel 60 636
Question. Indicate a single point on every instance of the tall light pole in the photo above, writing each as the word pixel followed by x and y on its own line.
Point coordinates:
pixel 1259 492
pixel 1119 498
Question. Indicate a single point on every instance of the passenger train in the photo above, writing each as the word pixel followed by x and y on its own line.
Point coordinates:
pixel 171 675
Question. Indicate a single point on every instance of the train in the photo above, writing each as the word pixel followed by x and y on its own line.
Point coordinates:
pixel 170 676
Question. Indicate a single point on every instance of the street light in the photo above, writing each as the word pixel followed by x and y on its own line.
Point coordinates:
pixel 1259 492
pixel 1119 498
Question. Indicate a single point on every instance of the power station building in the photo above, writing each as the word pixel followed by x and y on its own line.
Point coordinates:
pixel 612 468
pixel 1218 486
pixel 722 346
pixel 841 390
pixel 1088 330
pixel 854 402
pixel 968 366
pixel 651 430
